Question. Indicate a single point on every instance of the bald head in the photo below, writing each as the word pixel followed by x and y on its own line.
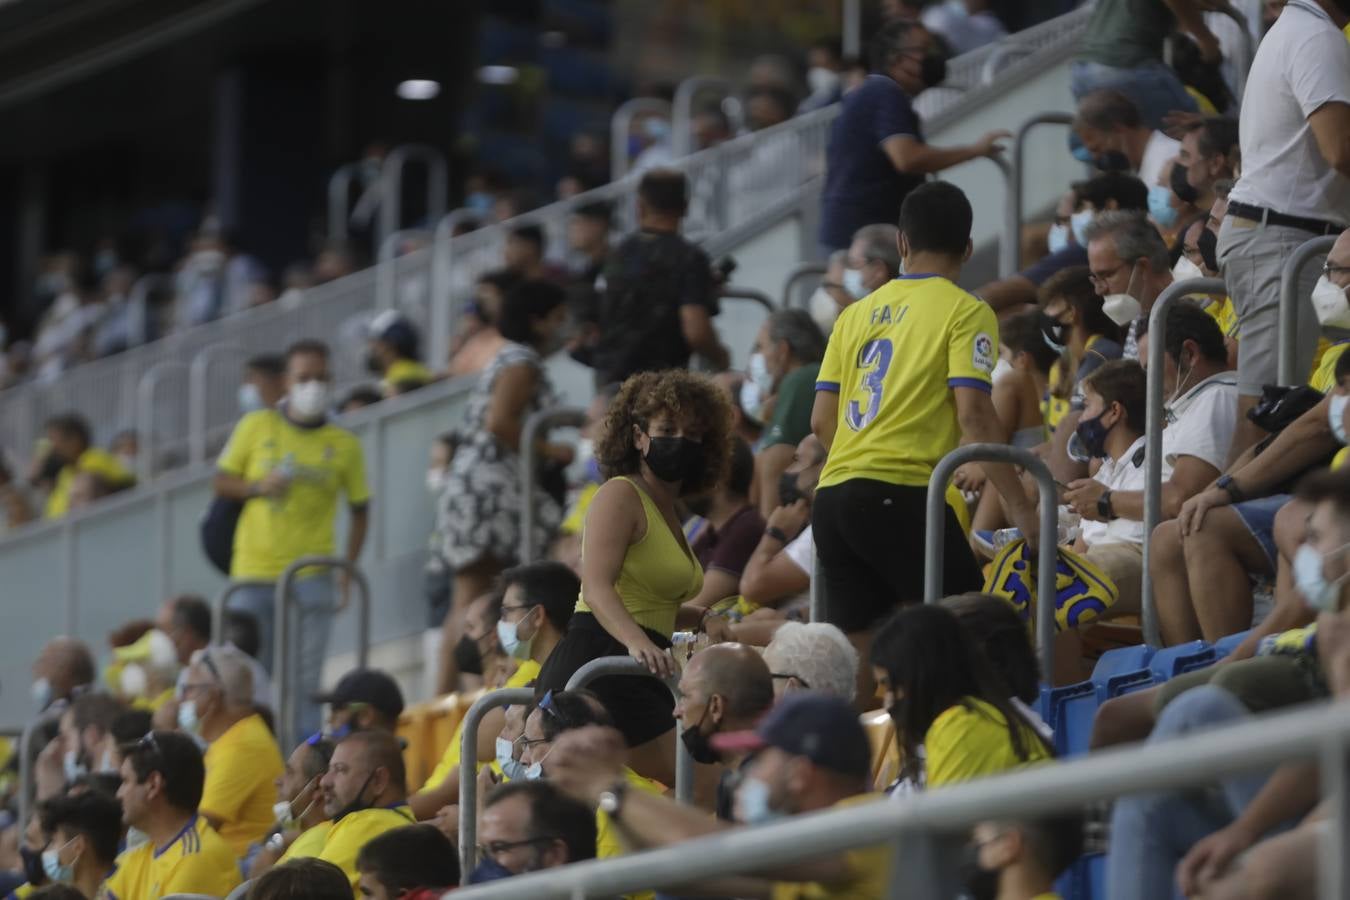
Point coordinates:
pixel 736 673
pixel 378 750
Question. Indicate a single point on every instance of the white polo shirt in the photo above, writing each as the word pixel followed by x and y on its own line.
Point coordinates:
pixel 1202 422
pixel 1159 149
pixel 1124 474
pixel 1303 64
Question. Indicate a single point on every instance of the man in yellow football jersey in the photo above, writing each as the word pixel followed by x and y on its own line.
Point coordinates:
pixel 242 759
pixel 162 778
pixel 73 453
pixel 906 378
pixel 287 466
pixel 300 818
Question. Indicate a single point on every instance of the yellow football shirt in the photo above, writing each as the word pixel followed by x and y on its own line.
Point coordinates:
pixel 448 767
pixel 608 844
pixel 196 861
pixel 242 766
pixel 404 372
pixel 869 870
pixel 1324 376
pixel 323 460
pixel 893 358
pixel 970 740
pixel 107 467
pixel 348 835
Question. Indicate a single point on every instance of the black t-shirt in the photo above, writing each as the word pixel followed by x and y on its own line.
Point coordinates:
pixel 647 278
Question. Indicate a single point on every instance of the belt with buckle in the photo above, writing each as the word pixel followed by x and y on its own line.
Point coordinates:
pixel 1271 217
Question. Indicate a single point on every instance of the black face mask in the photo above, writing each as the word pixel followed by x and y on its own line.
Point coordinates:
pixel 674 459
pixel 699 744
pixel 1054 332
pixel 468 658
pixel 1181 187
pixel 1112 161
pixel 933 70
pixel 32 866
pixel 788 492
pixel 373 364
pixel 977 882
pixel 1208 245
pixel 357 804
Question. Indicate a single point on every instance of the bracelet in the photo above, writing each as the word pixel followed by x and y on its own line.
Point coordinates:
pixel 777 534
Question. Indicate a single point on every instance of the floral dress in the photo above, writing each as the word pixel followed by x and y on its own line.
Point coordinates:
pixel 478 513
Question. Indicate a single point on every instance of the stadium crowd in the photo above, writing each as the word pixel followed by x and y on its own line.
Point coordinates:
pixel 689 526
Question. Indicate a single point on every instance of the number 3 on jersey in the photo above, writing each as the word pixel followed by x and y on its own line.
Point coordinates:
pixel 874 359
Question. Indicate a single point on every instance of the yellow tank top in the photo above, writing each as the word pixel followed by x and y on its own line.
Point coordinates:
pixel 658 574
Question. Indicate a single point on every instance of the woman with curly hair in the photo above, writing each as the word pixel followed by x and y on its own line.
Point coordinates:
pixel 667 435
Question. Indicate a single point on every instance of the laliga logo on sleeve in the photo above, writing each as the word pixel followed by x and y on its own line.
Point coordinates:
pixel 983 357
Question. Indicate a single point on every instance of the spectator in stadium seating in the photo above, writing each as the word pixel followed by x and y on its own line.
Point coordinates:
pixel 302 879
pixel 1123 52
pixel 729 534
pixel 1295 185
pixel 216 279
pixel 415 862
pixel 186 619
pixel 823 75
pixel 162 779
pixel 1019 393
pixel 811 753
pixel 364 794
pixel 667 435
pixel 300 820
pixel 1000 635
pixel 812 656
pixel 523 253
pixel 831 296
pixel 242 760
pixel 393 354
pixel 952 715
pixel 783 373
pixel 288 466
pixel 724 688
pixel 965 25
pixel 85 830
pixel 766 107
pixel 264 383
pixel 1208 154
pixel 477 340
pixel 83 744
pixel 362 700
pixel 566 546
pixel 588 249
pixel 1021 860
pixel 877 153
pixel 1104 192
pixel 1130 267
pixel 532 825
pixel 72 452
pixel 64 668
pixel 478 514
pixel 874 255
pixel 336 259
pixel 659 297
pixel 926 386
pixel 1111 128
pixel 1169 211
pixel 780 568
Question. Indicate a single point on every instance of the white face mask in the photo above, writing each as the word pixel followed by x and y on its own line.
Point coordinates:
pixel 1336 415
pixel 308 400
pixel 1058 238
pixel 249 398
pixel 1318 593
pixel 853 284
pixel 1123 308
pixel 1330 304
pixel 1079 222
pixel 757 387
pixel 822 81
pixel 1185 269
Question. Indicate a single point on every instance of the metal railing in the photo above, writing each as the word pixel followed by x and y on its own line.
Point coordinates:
pixel 468 770
pixel 391 186
pixel 281 673
pixel 797 274
pixel 1046 560
pixel 1153 433
pixel 222 603
pixel 199 371
pixel 682 110
pixel 1014 212
pixel 736 292
pixel 916 827
pixel 627 666
pixel 536 425
pixel 1289 301
pixel 148 413
pixel 386 271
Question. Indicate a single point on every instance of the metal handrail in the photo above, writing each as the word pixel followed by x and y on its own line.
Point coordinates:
pixel 222 602
pixel 468 770
pixel 920 818
pixel 1289 299
pixel 621 123
pixel 682 110
pixel 1046 561
pixel 735 292
pixel 1013 212
pixel 198 369
pixel 391 186
pixel 800 272
pixel 1001 55
pixel 138 307
pixel 386 274
pixel 145 414
pixel 626 665
pixel 339 196
pixel 545 419
pixel 1153 432
pixel 440 325
pixel 1009 245
pixel 282 604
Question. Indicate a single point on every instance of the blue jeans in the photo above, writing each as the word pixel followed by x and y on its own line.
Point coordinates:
pixel 1150 833
pixel 310 627
pixel 1154 87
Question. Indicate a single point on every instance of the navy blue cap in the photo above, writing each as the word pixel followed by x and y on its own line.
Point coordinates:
pixel 397 331
pixel 821 727
pixel 369 686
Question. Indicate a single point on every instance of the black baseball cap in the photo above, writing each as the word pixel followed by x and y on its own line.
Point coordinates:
pixel 821 727
pixel 369 686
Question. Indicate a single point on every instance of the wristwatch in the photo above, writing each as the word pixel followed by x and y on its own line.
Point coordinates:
pixel 777 534
pixel 1104 506
pixel 1230 487
pixel 611 801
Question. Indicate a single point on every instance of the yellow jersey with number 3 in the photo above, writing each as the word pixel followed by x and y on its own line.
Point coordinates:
pixel 894 357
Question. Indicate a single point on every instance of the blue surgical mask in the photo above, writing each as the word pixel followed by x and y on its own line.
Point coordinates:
pixel 1058 238
pixel 508 635
pixel 511 767
pixel 1092 433
pixel 337 734
pixel 1079 222
pixel 1160 206
pixel 489 870
pixel 249 398
pixel 853 283
pixel 753 795
pixel 1318 593
pixel 1336 416
pixel 52 866
pixel 71 767
pixel 534 771
pixel 187 716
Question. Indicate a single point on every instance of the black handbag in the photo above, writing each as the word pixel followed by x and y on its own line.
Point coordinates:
pixel 1279 406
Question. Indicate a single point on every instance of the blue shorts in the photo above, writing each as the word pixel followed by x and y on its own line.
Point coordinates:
pixel 1259 517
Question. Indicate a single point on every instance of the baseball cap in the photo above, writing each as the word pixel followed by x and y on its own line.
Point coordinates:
pixel 397 331
pixel 369 686
pixel 821 727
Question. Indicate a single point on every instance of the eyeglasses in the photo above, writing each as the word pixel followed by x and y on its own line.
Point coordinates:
pixel 211 667
pixel 496 848
pixel 800 679
pixel 1328 269
pixel 1101 278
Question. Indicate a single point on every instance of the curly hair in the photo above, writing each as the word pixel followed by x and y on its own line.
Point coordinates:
pixel 685 396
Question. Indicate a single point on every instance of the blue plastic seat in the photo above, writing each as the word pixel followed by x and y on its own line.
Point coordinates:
pixel 1120 669
pixel 1073 722
pixel 1226 645
pixel 1092 877
pixel 1172 661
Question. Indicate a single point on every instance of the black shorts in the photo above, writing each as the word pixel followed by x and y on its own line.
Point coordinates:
pixel 869 539
pixel 642 707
